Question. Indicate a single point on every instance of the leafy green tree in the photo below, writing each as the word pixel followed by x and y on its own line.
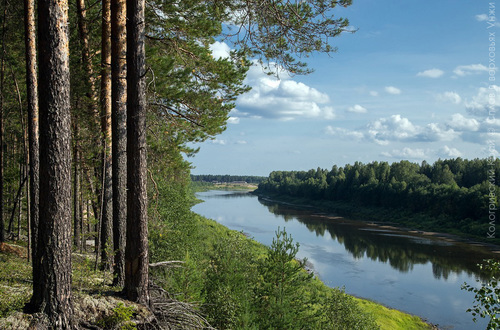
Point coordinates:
pixel 487 297
pixel 442 174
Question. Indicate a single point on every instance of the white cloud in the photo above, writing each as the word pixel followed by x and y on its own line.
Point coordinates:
pixel 493 123
pixel 461 123
pixel 437 132
pixel 466 70
pixel 431 73
pixel 384 130
pixel 220 50
pixel 344 133
pixel 241 142
pixel 406 153
pixel 393 90
pixel 397 128
pixel 373 93
pixel 450 97
pixel 357 109
pixel 449 152
pixel 484 18
pixel 233 120
pixel 485 100
pixel 481 17
pixel 217 141
pixel 283 98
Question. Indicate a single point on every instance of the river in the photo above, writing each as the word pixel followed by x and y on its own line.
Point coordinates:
pixel 416 273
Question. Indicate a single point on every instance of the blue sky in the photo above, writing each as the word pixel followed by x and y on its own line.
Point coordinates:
pixel 412 83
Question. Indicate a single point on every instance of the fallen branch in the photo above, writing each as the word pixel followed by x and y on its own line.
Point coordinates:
pixel 172 263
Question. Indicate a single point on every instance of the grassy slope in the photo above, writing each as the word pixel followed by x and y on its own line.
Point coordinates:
pixel 386 318
pixel 94 301
pixel 15 284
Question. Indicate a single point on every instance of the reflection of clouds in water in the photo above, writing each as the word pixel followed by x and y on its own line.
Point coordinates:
pixel 389 281
pixel 247 229
pixel 433 299
pixel 453 278
pixel 363 257
pixel 321 254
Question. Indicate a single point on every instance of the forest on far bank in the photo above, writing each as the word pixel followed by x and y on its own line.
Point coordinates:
pixel 457 196
pixel 226 178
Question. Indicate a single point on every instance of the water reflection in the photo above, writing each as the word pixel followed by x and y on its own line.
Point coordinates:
pixel 400 249
pixel 415 273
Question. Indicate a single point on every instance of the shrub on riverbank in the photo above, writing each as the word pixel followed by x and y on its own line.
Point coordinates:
pixel 241 284
pixel 235 281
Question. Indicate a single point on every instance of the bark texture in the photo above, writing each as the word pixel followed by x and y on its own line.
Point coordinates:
pixel 76 188
pixel 119 134
pixel 33 146
pixel 107 202
pixel 136 252
pixel 54 235
pixel 2 77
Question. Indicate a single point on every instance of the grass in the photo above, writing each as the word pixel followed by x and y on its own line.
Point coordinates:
pixel 392 319
pixel 386 318
pixel 95 299
pixel 15 278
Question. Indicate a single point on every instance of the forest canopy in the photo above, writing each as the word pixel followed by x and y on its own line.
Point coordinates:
pixel 455 195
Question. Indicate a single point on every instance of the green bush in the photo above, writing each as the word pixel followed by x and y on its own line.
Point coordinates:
pixel 119 319
pixel 343 312
pixel 230 278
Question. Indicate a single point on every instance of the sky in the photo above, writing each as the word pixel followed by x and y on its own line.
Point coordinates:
pixel 417 81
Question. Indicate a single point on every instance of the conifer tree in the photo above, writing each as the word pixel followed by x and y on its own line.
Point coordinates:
pixel 53 292
pixel 119 134
pixel 136 250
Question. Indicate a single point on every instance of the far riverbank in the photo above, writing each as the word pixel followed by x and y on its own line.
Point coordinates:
pixel 383 218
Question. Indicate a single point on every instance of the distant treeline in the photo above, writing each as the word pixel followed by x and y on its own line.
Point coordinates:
pixel 459 195
pixel 227 178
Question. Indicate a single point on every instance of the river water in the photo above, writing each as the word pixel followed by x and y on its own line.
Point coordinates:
pixel 416 273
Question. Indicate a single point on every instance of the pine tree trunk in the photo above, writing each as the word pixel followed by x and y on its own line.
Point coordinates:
pixel 2 76
pixel 83 239
pixel 136 251
pixel 76 188
pixel 107 205
pixel 54 236
pixel 92 99
pixel 86 60
pixel 119 134
pixel 32 94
